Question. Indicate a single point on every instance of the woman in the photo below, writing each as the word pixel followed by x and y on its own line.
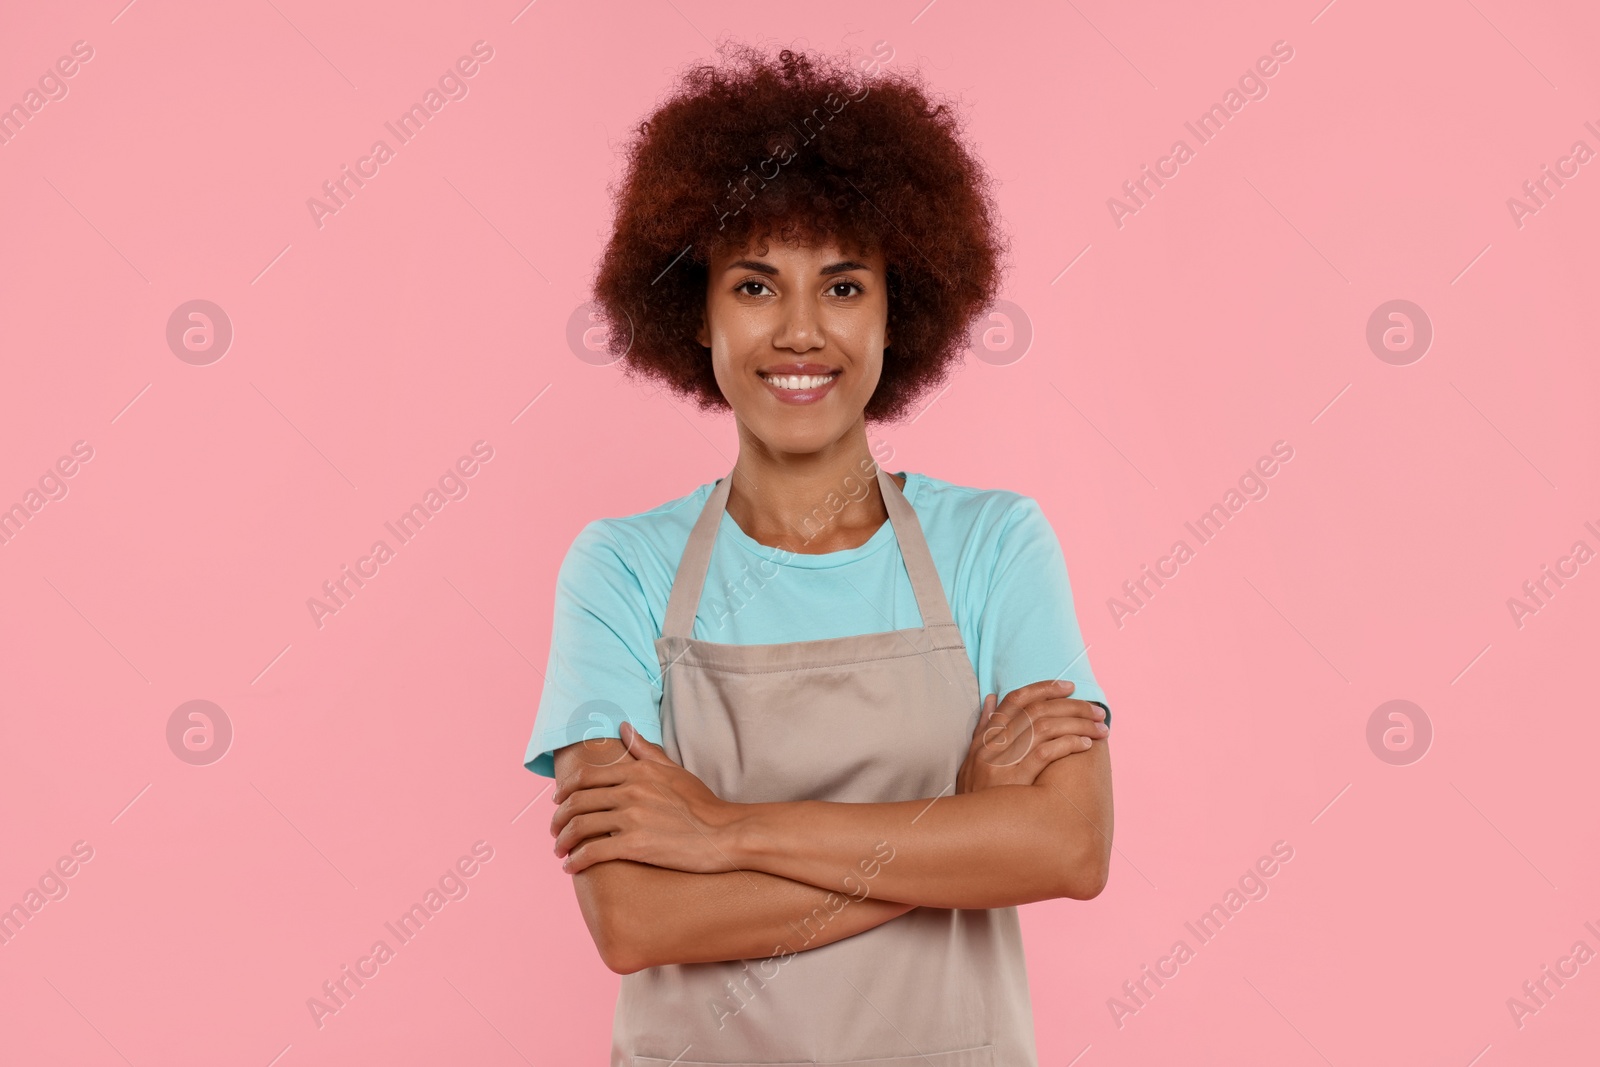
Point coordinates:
pixel 795 825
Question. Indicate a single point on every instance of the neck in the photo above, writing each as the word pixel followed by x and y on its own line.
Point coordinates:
pixel 807 502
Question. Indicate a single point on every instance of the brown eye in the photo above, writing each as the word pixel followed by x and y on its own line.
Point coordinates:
pixel 742 286
pixel 851 287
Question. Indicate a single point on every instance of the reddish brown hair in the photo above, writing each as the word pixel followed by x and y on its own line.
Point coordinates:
pixel 799 147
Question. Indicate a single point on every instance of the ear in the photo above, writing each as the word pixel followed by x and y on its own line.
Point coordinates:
pixel 701 335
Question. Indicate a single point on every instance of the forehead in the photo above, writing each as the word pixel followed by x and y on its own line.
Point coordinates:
pixel 798 254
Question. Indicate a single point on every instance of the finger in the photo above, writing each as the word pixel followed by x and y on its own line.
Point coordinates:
pixel 596 824
pixel 1061 706
pixel 1055 706
pixel 1059 748
pixel 584 801
pixel 1067 706
pixel 992 741
pixel 593 776
pixel 1000 728
pixel 1051 725
pixel 641 749
pixel 1036 691
pixel 1000 748
pixel 1063 725
pixel 595 850
pixel 1003 728
pixel 1044 732
pixel 1006 744
pixel 1008 729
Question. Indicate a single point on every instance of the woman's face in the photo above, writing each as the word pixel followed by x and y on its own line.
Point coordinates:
pixel 797 334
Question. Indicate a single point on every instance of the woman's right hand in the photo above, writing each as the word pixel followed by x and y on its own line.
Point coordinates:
pixel 1026 732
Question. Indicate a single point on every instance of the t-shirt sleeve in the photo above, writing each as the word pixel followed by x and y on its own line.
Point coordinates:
pixel 602 667
pixel 1029 627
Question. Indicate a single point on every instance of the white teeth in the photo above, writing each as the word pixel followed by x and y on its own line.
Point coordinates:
pixel 800 381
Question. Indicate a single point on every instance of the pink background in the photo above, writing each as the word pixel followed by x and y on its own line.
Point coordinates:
pixel 431 312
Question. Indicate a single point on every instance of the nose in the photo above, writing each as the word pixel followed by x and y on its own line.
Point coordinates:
pixel 800 329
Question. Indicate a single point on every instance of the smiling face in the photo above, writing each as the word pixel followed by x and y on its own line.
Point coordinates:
pixel 797 334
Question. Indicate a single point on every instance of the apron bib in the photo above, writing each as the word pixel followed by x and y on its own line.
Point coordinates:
pixel 871 718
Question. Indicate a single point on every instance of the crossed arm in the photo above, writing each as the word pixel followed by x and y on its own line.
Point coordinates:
pixel 666 872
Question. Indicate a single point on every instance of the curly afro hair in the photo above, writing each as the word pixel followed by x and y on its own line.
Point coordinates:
pixel 801 148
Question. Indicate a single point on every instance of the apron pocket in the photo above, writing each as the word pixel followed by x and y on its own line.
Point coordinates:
pixel 981 1056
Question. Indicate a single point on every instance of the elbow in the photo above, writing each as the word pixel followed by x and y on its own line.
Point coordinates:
pixel 1091 881
pixel 1087 869
pixel 621 950
pixel 607 914
pixel 618 956
pixel 610 941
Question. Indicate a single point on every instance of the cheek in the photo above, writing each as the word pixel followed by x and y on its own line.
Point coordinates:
pixel 871 374
pixel 867 347
pixel 727 379
pixel 724 350
pixel 735 332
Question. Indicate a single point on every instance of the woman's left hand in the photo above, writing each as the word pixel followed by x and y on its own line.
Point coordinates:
pixel 1026 732
pixel 643 807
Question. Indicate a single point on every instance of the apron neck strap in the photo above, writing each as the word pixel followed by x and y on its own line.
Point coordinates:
pixel 689 581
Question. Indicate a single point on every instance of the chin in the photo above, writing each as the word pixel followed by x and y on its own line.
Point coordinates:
pixel 793 441
pixel 796 433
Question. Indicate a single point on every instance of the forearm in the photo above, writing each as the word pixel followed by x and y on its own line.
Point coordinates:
pixel 966 851
pixel 645 916
pixel 987 849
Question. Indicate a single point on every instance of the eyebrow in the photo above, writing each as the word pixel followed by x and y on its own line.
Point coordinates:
pixel 771 271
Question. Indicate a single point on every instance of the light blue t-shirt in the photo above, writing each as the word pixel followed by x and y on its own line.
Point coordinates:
pixel 997 557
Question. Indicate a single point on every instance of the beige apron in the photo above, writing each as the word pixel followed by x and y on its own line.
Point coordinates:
pixel 872 718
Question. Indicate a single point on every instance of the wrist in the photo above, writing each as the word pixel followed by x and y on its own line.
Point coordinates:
pixel 739 835
pixel 756 838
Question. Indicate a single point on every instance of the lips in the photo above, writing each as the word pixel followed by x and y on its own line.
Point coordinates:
pixel 798 368
pixel 799 383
